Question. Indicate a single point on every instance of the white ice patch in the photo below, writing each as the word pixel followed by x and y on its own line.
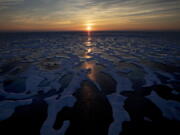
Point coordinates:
pixel 123 83
pixel 165 74
pixel 79 77
pixel 54 106
pixel 169 108
pixel 150 77
pixel 120 115
pixel 32 83
pixel 64 127
pixel 7 108
pixel 66 100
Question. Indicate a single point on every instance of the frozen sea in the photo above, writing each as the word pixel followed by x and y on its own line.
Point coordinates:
pixel 89 83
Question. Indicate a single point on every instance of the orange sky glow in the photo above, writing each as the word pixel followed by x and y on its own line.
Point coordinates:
pixel 89 15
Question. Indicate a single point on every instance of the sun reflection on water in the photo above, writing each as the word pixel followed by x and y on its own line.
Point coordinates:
pixel 89 50
pixel 88 45
pixel 91 66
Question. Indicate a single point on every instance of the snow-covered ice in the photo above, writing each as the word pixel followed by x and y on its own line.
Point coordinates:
pixel 53 65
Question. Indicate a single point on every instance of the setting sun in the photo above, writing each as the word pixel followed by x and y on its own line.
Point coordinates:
pixel 89 28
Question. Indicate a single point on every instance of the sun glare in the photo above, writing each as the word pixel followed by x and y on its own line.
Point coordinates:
pixel 89 28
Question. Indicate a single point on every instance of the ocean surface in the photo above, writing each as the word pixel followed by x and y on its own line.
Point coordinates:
pixel 89 83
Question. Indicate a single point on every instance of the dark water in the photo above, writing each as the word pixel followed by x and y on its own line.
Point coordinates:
pixel 98 83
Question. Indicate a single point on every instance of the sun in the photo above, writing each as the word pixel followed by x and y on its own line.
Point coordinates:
pixel 89 28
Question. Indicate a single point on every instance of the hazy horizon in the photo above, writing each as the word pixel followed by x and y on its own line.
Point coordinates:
pixel 84 31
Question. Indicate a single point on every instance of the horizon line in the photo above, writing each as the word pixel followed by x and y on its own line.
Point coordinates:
pixel 14 31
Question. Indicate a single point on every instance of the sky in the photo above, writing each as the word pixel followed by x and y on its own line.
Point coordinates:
pixel 62 15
